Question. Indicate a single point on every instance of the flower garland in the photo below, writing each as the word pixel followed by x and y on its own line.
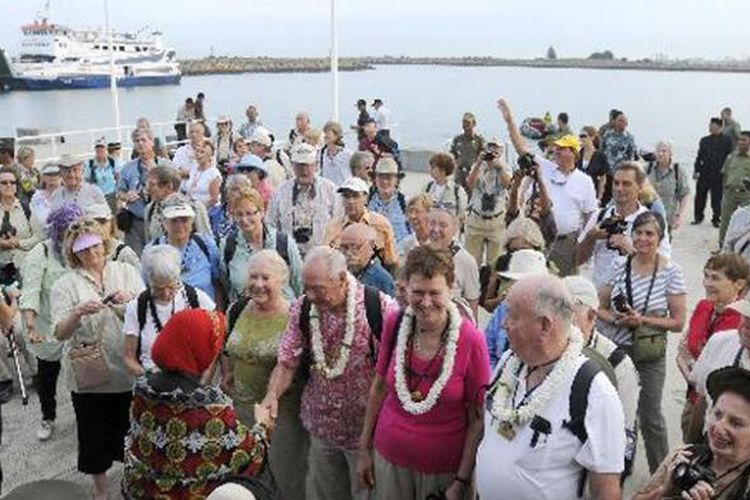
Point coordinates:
pixel 420 406
pixel 503 407
pixel 316 338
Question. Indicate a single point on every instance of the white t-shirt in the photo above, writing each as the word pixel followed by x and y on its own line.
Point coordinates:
pixel 163 312
pixel 573 196
pixel 382 117
pixel 198 183
pixel 466 285
pixel 721 350
pixel 552 468
pixel 606 261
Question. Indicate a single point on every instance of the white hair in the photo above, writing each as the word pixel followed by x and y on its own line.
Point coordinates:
pixel 270 260
pixel 334 260
pixel 161 262
pixel 667 144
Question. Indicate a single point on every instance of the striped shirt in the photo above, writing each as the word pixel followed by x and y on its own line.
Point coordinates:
pixel 669 281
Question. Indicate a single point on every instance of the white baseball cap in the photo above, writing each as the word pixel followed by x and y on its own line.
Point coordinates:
pixel 305 154
pixel 524 263
pixel 262 137
pixel 355 185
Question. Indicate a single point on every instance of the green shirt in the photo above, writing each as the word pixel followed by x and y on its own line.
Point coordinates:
pixel 465 150
pixel 671 184
pixel 736 167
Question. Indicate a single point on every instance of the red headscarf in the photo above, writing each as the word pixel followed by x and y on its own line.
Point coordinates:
pixel 189 342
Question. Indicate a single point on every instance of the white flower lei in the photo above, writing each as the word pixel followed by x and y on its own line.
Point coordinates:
pixel 316 338
pixel 402 390
pixel 503 407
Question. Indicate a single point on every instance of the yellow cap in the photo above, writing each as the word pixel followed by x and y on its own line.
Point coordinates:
pixel 568 141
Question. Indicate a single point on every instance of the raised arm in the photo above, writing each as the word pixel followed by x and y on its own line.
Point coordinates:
pixel 519 143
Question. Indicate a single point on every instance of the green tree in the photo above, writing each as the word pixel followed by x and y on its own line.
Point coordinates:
pixel 551 54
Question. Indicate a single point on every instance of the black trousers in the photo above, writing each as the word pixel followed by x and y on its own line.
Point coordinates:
pixel 46 376
pixel 703 187
pixel 102 420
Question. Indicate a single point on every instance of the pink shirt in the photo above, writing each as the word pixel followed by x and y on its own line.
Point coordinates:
pixel 431 443
pixel 334 410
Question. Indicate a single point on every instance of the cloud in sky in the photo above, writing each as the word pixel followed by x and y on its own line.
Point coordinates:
pixel 508 28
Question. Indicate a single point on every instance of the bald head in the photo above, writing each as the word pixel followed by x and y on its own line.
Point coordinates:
pixel 358 245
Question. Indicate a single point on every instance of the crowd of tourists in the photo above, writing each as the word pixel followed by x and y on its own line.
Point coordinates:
pixel 251 315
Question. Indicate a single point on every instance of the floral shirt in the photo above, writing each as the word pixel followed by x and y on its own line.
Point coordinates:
pixel 334 409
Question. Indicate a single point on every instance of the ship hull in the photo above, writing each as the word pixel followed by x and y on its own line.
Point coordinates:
pixel 86 82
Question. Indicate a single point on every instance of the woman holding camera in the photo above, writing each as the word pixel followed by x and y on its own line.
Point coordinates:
pixel 645 299
pixel 17 234
pixel 488 180
pixel 720 470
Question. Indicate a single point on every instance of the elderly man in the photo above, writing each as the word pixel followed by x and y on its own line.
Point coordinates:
pixel 357 243
pixel 554 422
pixel 164 181
pixel 571 191
pixel 466 148
pixel 342 359
pixel 252 124
pixel 613 358
pixel 303 206
pixel 443 233
pixel 606 235
pixel 132 189
pixel 261 146
pixel 73 188
pixel 354 193
pixel 297 134
pixel 184 158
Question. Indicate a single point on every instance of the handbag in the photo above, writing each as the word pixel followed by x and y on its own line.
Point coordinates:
pixel 649 341
pixel 89 364
pixel 124 220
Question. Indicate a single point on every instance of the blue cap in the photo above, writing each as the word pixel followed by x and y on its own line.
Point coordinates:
pixel 250 162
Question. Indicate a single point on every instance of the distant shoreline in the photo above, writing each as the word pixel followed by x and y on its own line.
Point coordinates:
pixel 236 65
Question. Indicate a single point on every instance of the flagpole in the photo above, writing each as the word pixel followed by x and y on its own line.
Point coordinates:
pixel 112 76
pixel 334 61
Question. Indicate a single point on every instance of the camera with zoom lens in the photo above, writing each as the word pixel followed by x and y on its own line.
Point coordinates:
pixel 526 163
pixel 488 155
pixel 302 235
pixel 687 475
pixel 614 224
pixel 489 202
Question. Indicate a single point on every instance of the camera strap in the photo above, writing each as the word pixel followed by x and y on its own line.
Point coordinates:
pixel 629 282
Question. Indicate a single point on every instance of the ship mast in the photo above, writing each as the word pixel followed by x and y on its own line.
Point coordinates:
pixel 112 76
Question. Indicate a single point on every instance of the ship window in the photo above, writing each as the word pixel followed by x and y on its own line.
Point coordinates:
pixel 96 47
pixel 122 48
pixel 105 47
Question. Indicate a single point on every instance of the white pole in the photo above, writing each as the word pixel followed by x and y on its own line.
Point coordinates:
pixel 112 76
pixel 334 61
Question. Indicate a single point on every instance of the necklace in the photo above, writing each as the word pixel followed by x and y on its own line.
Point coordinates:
pixel 414 343
pixel 316 338
pixel 413 401
pixel 504 411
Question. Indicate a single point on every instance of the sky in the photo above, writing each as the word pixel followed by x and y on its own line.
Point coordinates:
pixel 714 29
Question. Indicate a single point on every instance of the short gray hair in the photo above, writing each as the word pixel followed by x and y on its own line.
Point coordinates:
pixel 270 260
pixel 361 159
pixel 161 262
pixel 139 131
pixel 334 260
pixel 667 144
pixel 553 299
pixel 237 181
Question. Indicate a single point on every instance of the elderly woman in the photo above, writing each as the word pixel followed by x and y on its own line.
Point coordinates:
pixel 204 182
pixel 200 257
pixel 645 299
pixel 247 208
pixel 671 182
pixel 88 303
pixel 424 417
pixel 360 165
pixel 417 211
pixel 40 202
pixel 17 233
pixel 725 277
pixel 165 294
pixel 102 214
pixel 221 221
pixel 28 176
pixel 41 269
pixel 256 323
pixel 387 200
pixel 723 467
pixel 443 190
pixel 334 157
pixel 184 437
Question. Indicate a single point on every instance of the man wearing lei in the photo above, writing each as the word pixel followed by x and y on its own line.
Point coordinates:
pixel 424 418
pixel 339 352
pixel 528 451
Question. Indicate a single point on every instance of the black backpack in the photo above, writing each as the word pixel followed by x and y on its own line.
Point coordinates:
pixel 198 241
pixel 144 298
pixel 230 248
pixel 676 175
pixel 92 169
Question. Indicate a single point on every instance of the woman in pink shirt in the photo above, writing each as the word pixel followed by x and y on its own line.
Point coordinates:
pixel 424 413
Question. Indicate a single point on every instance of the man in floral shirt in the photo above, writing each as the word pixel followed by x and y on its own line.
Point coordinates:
pixel 338 346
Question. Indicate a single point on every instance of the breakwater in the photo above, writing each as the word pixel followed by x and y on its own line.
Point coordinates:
pixel 226 65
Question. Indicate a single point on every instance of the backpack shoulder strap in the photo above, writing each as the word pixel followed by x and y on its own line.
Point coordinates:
pixel 26 210
pixel 142 304
pixel 118 251
pixel 401 201
pixel 201 244
pixel 616 357
pixel 234 312
pixel 230 247
pixel 600 216
pixel 282 246
pixel 579 399
pixel 192 297
pixel 374 313
pixel 111 162
pixel 603 363
pixel 429 185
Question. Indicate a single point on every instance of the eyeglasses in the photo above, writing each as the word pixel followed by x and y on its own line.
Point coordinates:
pixel 352 247
pixel 8 183
pixel 82 223
pixel 583 136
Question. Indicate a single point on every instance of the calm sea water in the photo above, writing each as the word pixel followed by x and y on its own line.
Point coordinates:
pixel 427 101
